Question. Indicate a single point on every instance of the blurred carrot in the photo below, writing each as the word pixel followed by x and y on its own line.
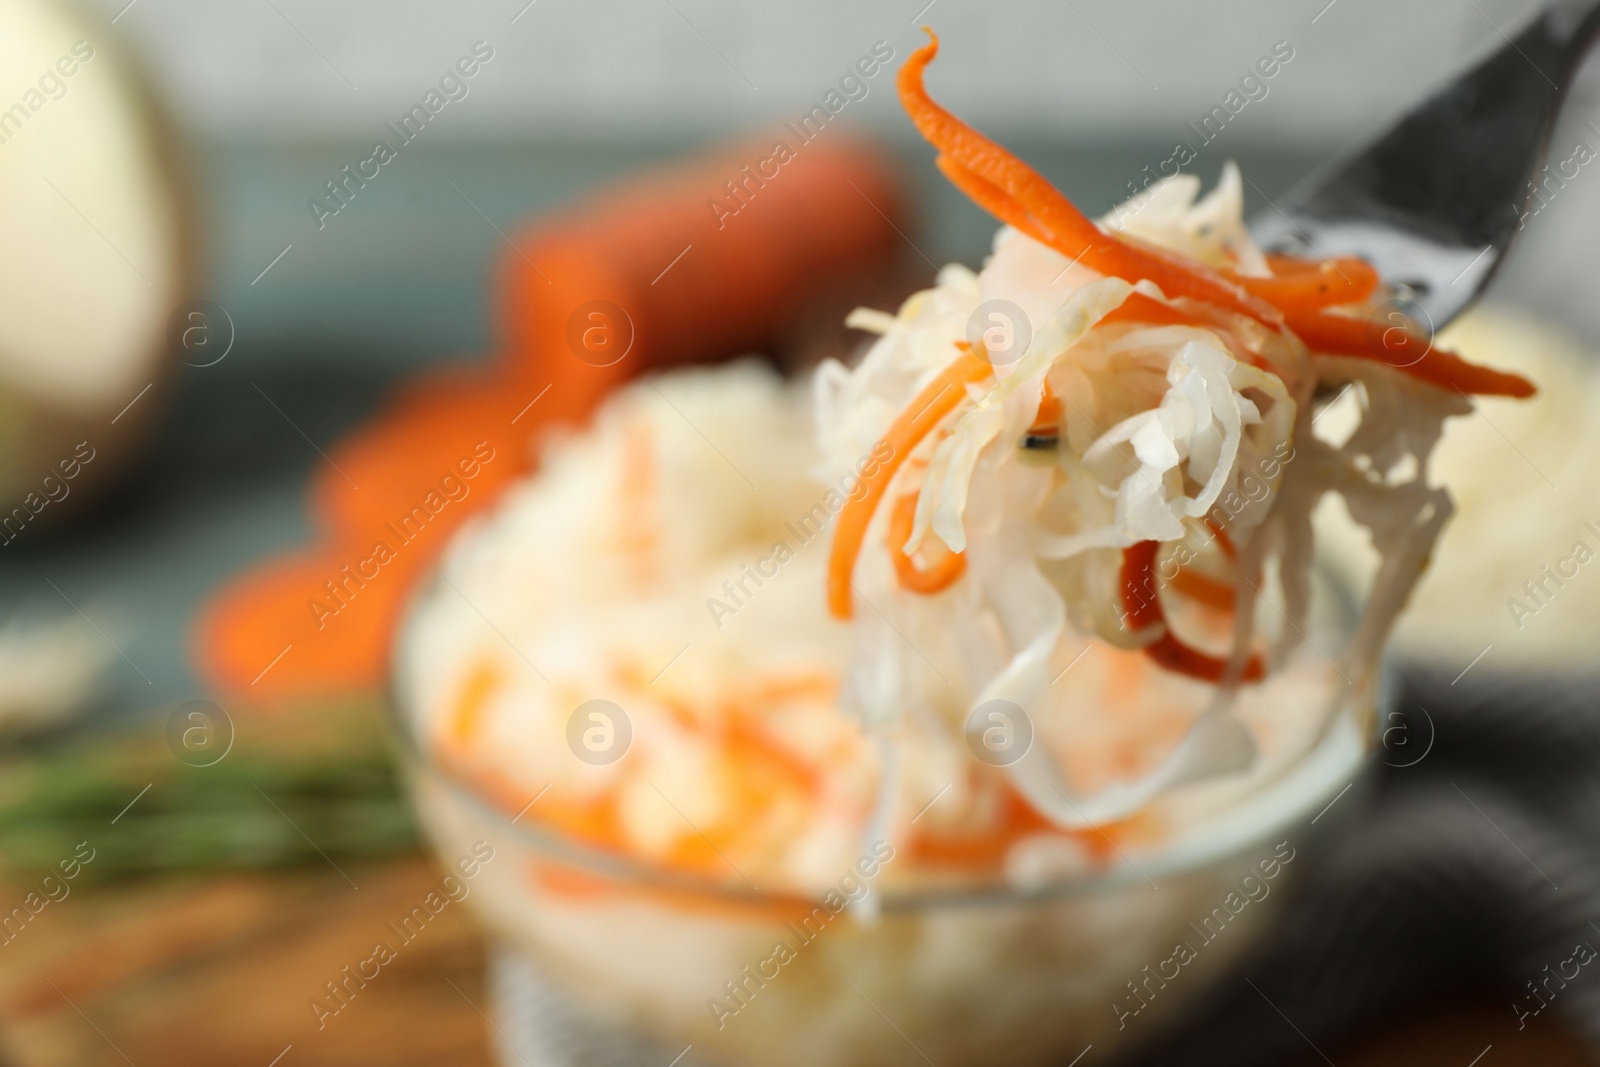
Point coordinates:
pixel 642 275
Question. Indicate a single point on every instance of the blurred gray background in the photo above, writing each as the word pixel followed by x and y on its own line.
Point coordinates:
pixel 277 95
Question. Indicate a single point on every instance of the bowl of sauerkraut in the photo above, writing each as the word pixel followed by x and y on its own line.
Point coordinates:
pixel 967 702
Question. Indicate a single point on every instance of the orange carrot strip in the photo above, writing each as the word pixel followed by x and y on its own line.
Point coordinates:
pixel 1175 656
pixel 997 202
pixel 947 565
pixel 937 399
pixel 1179 276
pixel 473 702
pixel 1343 335
pixel 967 148
pixel 1204 590
pixel 1138 577
pixel 1314 284
pixel 1047 420
pixel 1142 310
pixel 985 846
pixel 1283 266
pixel 1168 651
pixel 1148 311
pixel 993 199
pixel 1047 211
pixel 1279 263
pixel 1016 194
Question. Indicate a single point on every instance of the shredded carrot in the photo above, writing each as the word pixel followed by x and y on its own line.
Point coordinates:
pixel 1137 307
pixel 993 199
pixel 1172 654
pixel 1050 211
pixel 947 566
pixel 1281 264
pixel 940 397
pixel 985 847
pixel 1286 266
pixel 1311 285
pixel 1179 277
pixel 1138 575
pixel 1047 420
pixel 766 778
pixel 474 700
pixel 1204 590
pixel 1295 295
pixel 1405 351
pixel 1039 209
pixel 1148 311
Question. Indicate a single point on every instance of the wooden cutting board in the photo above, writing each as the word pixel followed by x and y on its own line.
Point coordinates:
pixel 220 970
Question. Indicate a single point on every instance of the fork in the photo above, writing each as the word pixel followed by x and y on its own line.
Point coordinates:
pixel 1434 202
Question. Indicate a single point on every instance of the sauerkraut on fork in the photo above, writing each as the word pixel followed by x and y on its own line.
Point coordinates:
pixel 1104 439
pixel 1064 503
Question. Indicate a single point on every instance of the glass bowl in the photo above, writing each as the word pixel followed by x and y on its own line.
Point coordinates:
pixel 597 959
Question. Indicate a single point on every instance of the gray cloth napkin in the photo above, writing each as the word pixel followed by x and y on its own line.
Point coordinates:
pixel 1473 866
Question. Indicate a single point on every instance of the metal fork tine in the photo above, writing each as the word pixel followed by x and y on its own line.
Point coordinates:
pixel 1436 199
